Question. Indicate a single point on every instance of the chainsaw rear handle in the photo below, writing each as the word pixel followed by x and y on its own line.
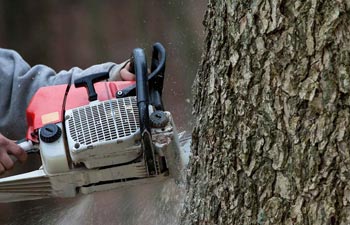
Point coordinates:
pixel 27 146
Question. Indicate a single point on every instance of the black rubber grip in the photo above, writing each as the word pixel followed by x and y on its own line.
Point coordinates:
pixel 88 82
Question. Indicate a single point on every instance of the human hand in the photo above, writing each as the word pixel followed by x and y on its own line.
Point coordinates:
pixel 125 73
pixel 9 147
pixel 121 74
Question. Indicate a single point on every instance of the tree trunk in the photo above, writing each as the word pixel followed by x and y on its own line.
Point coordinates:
pixel 271 143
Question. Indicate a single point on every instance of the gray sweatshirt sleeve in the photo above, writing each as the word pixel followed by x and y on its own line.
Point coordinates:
pixel 19 82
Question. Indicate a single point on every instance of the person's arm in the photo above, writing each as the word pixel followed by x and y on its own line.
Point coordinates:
pixel 19 82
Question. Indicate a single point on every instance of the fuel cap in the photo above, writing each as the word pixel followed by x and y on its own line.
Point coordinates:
pixel 50 133
pixel 158 119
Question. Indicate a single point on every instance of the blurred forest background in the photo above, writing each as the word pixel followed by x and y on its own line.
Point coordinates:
pixel 67 33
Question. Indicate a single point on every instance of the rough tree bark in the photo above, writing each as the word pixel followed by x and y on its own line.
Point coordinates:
pixel 271 143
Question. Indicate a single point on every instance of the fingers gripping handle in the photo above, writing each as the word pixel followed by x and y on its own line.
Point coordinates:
pixel 27 146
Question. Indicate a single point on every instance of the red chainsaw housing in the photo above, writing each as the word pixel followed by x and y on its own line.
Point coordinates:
pixel 47 104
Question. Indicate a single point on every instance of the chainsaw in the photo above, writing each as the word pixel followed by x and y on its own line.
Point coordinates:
pixel 97 135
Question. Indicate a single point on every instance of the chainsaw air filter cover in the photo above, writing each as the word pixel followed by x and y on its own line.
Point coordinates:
pixel 94 130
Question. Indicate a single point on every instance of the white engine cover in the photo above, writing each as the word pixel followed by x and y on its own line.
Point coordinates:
pixel 104 133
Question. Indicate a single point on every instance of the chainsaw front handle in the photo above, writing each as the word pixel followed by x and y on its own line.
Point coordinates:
pixel 155 78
